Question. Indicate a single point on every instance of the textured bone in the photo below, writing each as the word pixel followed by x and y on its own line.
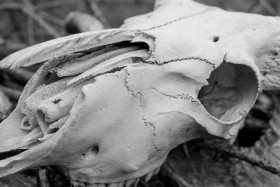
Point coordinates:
pixel 32 137
pixel 81 65
pixel 112 104
pixel 117 61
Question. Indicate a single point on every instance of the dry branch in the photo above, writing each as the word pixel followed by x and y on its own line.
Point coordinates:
pixel 11 92
pixel 41 22
pixel 9 48
pixel 94 9
pixel 51 18
pixel 77 22
pixel 21 75
pixel 42 177
pixel 54 4
pixel 167 170
pixel 29 10
pixel 5 106
pixel 244 154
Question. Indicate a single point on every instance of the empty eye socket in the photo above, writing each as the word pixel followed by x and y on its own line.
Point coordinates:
pixel 231 91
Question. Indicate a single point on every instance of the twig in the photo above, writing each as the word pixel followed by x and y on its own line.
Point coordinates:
pixel 62 173
pixel 12 93
pixel 124 1
pixel 94 9
pixel 41 21
pixel 11 6
pixel 42 177
pixel 5 106
pixel 30 31
pixel 185 150
pixel 252 7
pixel 55 4
pixel 77 22
pixel 28 9
pixel 143 183
pixel 241 153
pixel 9 48
pixel 21 75
pixel 167 170
pixel 268 7
pixel 51 18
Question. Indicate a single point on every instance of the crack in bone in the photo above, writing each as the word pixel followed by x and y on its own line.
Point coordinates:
pixel 189 58
pixel 126 83
pixel 146 123
pixel 179 19
pixel 149 124
pixel 179 96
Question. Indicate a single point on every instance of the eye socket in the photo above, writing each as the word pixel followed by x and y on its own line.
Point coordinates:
pixel 231 91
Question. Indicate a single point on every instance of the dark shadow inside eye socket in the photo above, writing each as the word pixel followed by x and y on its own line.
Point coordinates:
pixel 231 91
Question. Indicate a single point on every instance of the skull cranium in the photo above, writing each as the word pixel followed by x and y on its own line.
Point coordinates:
pixel 110 105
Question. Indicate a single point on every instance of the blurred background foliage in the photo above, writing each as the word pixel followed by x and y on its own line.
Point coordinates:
pixel 28 22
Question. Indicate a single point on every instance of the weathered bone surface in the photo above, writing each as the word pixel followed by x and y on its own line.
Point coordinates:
pixel 110 105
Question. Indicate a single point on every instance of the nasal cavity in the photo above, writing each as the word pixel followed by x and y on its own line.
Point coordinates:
pixel 231 91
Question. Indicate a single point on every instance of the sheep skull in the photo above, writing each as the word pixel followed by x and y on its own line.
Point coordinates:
pixel 110 105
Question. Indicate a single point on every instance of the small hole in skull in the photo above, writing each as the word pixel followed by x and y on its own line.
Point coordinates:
pixel 26 124
pixel 48 75
pixel 274 53
pixel 54 130
pixel 57 101
pixel 215 38
pixel 95 149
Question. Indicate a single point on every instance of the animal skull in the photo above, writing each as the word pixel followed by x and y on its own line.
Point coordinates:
pixel 110 105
